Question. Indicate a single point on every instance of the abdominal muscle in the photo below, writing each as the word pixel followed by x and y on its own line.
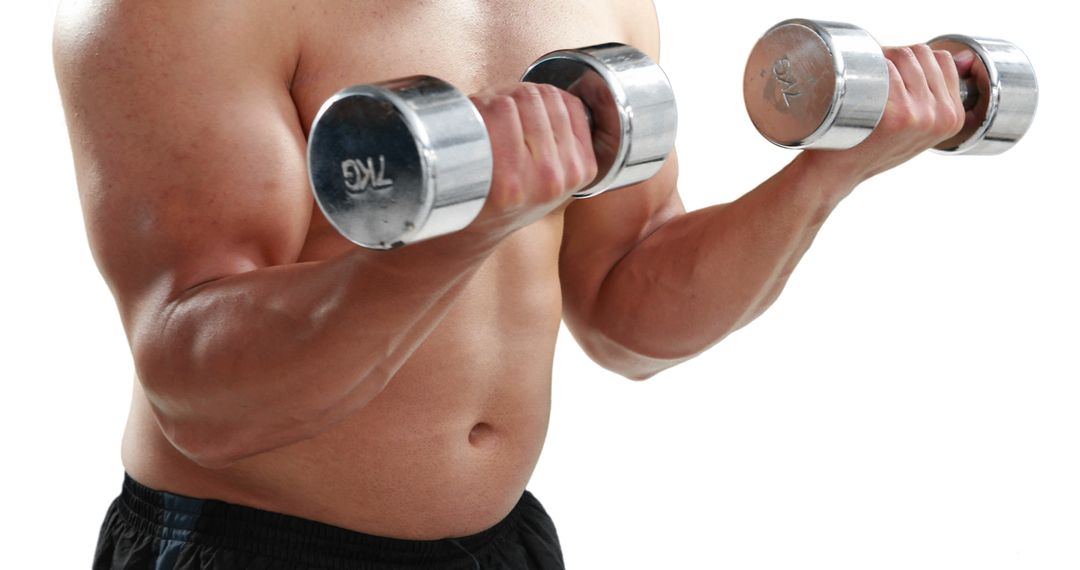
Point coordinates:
pixel 446 449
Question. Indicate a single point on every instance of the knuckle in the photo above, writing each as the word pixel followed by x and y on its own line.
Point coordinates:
pixel 920 48
pixel 894 74
pixel 939 123
pixel 947 65
pixel 903 119
pixel 592 169
pixel 954 128
pixel 951 121
pixel 589 164
pixel 503 105
pixel 575 170
pixel 528 91
pixel 906 122
pixel 481 99
pixel 961 117
pixel 923 121
pixel 510 194
pixel 547 90
pixel 549 169
pixel 575 106
pixel 899 53
pixel 551 178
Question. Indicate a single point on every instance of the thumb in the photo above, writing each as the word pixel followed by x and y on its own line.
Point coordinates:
pixel 964 60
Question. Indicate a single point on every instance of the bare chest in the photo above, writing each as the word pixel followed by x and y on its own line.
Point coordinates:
pixel 473 44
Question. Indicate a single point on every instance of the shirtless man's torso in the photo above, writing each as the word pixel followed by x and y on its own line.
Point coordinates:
pixel 449 445
pixel 404 393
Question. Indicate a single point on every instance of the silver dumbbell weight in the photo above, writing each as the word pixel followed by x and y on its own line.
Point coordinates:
pixel 631 104
pixel 399 162
pixel 824 85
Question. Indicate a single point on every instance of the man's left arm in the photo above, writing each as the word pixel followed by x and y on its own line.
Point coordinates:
pixel 647 285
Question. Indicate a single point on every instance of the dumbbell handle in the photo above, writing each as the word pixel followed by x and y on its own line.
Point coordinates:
pixel 969 93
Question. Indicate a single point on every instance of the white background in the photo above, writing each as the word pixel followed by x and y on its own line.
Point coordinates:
pixel 912 400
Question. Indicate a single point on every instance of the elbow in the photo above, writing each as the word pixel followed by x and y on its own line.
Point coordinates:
pixel 194 396
pixel 213 462
pixel 213 429
pixel 190 423
pixel 636 375
pixel 207 444
pixel 202 414
pixel 211 455
pixel 642 371
pixel 641 375
pixel 623 360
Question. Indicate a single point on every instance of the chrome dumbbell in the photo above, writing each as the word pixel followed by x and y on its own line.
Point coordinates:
pixel 398 162
pixel 824 85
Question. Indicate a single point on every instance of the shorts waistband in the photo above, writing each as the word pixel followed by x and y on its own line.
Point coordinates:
pixel 290 538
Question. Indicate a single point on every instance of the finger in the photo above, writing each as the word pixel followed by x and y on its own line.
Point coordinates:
pixel 963 60
pixel 950 74
pixel 896 81
pixel 579 118
pixel 569 146
pixel 581 150
pixel 979 71
pixel 558 115
pixel 488 95
pixel 910 70
pixel 980 75
pixel 605 121
pixel 932 70
pixel 503 122
pixel 535 122
pixel 575 156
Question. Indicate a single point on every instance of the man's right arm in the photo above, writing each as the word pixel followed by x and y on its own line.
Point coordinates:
pixel 190 162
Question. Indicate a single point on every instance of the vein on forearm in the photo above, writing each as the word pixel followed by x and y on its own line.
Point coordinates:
pixel 705 274
pixel 304 344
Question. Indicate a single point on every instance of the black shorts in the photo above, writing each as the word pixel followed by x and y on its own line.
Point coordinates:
pixel 154 530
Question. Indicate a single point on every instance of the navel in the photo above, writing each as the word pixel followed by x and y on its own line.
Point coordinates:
pixel 480 433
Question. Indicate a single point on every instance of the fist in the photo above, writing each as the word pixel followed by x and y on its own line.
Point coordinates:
pixel 923 109
pixel 542 154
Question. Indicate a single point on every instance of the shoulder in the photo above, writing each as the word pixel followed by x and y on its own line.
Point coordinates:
pixel 113 35
pixel 642 26
pixel 173 105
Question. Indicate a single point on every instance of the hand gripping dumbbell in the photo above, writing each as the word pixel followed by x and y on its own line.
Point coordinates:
pixel 812 84
pixel 406 160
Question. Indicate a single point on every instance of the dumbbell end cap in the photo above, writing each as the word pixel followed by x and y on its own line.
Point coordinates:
pixel 815 84
pixel 399 162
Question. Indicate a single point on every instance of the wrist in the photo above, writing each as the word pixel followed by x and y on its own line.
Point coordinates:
pixel 829 173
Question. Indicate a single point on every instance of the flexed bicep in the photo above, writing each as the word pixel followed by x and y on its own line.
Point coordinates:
pixel 187 145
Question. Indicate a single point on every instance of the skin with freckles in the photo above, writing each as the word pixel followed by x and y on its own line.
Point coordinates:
pixel 402 393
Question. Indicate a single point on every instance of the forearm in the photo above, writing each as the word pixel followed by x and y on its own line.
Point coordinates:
pixel 707 273
pixel 265 358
